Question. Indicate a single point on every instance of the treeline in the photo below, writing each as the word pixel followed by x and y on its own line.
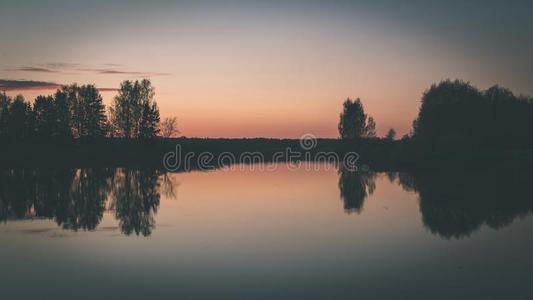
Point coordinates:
pixel 78 112
pixel 455 114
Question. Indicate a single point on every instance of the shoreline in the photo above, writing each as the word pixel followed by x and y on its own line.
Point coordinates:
pixel 378 154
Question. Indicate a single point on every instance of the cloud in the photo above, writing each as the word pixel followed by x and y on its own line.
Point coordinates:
pixel 30 85
pixel 107 89
pixel 61 65
pixel 31 69
pixel 110 71
pixel 69 68
pixel 26 85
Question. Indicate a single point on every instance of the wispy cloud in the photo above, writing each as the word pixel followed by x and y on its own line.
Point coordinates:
pixel 65 67
pixel 107 89
pixel 61 65
pixel 112 71
pixel 25 85
pixel 30 85
pixel 31 69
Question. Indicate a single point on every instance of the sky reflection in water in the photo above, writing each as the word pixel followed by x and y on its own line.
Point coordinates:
pixel 286 234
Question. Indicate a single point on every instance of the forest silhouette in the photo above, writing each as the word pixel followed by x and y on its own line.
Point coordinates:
pixel 457 125
pixel 78 112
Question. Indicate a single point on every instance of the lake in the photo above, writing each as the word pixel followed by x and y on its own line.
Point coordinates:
pixel 265 233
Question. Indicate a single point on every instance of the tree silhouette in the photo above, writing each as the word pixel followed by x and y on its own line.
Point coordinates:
pixel 457 114
pixel 20 119
pixel 94 122
pixel 354 122
pixel 62 111
pixel 169 128
pixel 45 116
pixel 53 115
pixel 149 127
pixel 76 110
pixel 5 102
pixel 134 113
pixel 391 134
pixel 370 128
pixel 87 111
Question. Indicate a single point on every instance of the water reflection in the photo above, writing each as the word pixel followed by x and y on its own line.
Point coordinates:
pixel 76 199
pixel 81 207
pixel 452 205
pixel 135 200
pixel 355 187
pixel 455 205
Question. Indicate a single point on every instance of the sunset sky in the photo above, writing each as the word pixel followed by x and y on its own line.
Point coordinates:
pixel 268 68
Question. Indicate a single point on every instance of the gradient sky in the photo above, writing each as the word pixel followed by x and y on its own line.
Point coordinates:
pixel 270 68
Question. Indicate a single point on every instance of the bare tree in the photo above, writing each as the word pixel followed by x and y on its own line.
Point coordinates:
pixel 169 127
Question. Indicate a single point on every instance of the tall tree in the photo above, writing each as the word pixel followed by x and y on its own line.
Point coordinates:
pixel 76 111
pixel 353 121
pixel 134 113
pixel 62 128
pixel 19 120
pixel 87 111
pixel 94 117
pixel 5 102
pixel 45 116
pixel 149 126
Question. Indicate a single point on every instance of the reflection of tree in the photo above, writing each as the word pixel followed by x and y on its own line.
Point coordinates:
pixel 456 205
pixel 354 188
pixel 52 189
pixel 16 193
pixel 76 199
pixel 85 207
pixel 169 186
pixel 135 199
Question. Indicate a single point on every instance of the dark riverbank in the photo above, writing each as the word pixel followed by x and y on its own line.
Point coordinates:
pixel 378 154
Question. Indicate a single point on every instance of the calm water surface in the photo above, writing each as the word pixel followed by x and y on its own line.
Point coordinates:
pixel 252 234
